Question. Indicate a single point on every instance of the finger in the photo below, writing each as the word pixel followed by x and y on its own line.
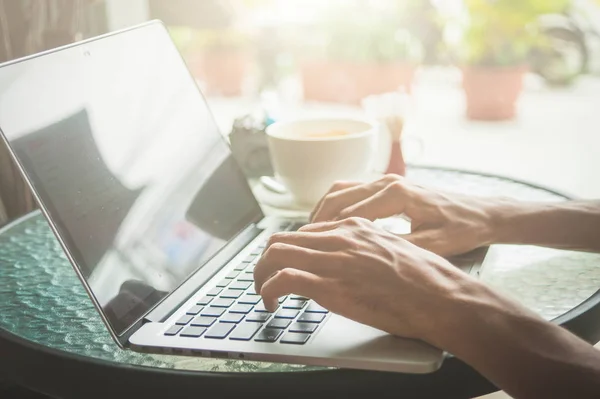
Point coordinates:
pixel 291 281
pixel 385 203
pixel 335 202
pixel 337 186
pixel 320 226
pixel 305 239
pixel 280 256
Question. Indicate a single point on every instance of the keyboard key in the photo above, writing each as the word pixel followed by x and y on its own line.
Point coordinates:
pixel 239 308
pixel 287 314
pixel 315 308
pixel 205 300
pixel 295 338
pixel 251 291
pixel 245 331
pixel 240 285
pixel 247 277
pixel 231 318
pixel 215 291
pixel 219 330
pixel 240 267
pixel 303 298
pixel 203 321
pixel 222 302
pixel 294 304
pixel 194 310
pixel 223 283
pixel 304 327
pixel 249 299
pixel 279 323
pixel 212 312
pixel 311 317
pixel 193 332
pixel 268 335
pixel 258 317
pixel 257 251
pixel 249 258
pixel 282 299
pixel 173 330
pixel 231 294
pixel 232 275
pixel 184 320
pixel 249 269
pixel 260 307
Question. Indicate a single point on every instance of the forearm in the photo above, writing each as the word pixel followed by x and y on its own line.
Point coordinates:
pixel 566 225
pixel 517 350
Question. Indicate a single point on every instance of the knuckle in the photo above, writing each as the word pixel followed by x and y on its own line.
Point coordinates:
pixel 338 185
pixel 276 238
pixel 277 247
pixel 330 197
pixel 391 177
pixel 396 187
pixel 346 213
pixel 273 251
pixel 354 221
pixel 288 274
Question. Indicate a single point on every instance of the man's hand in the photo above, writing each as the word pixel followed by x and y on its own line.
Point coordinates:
pixel 362 272
pixel 447 224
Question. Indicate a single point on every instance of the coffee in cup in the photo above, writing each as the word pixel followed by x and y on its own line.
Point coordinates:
pixel 310 155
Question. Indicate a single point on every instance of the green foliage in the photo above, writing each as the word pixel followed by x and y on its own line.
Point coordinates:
pixel 364 35
pixel 502 32
pixel 207 40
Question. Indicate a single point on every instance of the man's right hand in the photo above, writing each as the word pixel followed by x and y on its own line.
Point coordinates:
pixel 444 223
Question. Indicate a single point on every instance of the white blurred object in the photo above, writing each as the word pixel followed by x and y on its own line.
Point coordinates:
pixel 393 111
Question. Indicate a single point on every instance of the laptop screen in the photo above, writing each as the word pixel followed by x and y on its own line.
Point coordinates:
pixel 128 162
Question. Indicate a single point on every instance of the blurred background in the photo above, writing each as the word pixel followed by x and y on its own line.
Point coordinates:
pixel 510 87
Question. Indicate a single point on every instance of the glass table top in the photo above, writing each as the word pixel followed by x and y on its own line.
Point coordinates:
pixel 42 300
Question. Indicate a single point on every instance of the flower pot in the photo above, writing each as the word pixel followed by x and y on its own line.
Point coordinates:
pixel 346 82
pixel 492 92
pixel 222 72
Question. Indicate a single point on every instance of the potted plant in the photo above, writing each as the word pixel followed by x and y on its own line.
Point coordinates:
pixel 499 37
pixel 219 58
pixel 358 53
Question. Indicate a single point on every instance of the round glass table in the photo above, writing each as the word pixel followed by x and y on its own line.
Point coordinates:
pixel 48 324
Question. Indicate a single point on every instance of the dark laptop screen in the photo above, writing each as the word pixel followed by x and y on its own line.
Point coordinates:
pixel 127 160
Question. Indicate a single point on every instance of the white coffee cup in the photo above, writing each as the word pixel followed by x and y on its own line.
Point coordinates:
pixel 309 155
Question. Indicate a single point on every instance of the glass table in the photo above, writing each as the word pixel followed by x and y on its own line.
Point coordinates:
pixel 47 320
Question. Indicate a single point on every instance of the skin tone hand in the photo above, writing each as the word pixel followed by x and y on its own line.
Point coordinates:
pixel 354 268
pixel 447 224
pixel 362 272
pixel 450 224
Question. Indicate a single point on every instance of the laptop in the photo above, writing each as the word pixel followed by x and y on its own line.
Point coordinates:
pixel 159 222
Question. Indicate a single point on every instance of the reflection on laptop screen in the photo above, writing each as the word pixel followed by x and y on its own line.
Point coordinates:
pixel 125 157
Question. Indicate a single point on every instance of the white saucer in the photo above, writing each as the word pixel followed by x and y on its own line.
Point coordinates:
pixel 283 204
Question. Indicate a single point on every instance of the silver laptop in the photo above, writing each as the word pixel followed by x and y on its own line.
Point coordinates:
pixel 156 217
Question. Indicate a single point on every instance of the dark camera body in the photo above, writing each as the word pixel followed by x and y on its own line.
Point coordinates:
pixel 249 146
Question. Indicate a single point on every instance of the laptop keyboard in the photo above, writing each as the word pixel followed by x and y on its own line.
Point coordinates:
pixel 233 310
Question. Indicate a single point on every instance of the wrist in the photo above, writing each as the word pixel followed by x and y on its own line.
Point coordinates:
pixel 478 319
pixel 500 215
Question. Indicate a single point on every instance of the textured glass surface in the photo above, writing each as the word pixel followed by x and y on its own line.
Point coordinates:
pixel 42 300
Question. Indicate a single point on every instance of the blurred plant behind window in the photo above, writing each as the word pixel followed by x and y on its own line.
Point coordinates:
pixel 503 32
